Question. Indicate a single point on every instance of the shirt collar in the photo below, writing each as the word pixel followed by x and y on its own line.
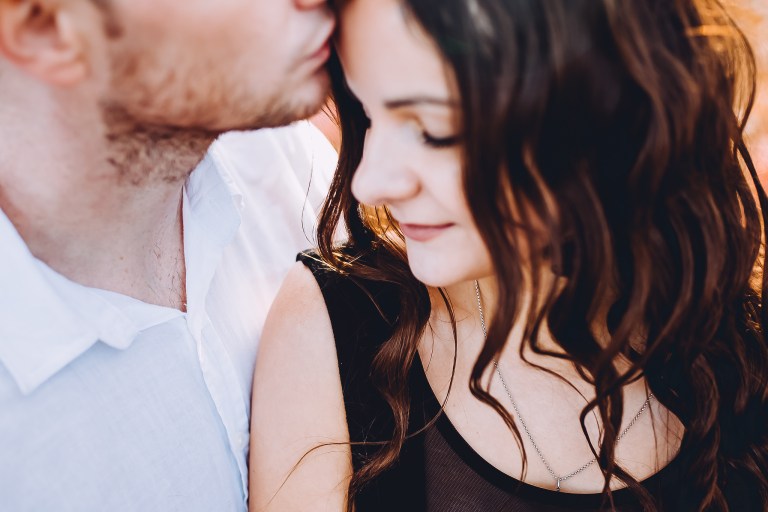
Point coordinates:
pixel 48 321
pixel 212 213
pixel 42 321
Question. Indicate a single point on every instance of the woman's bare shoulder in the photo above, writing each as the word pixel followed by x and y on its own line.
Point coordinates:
pixel 299 452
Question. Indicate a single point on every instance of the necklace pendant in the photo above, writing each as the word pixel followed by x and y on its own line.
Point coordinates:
pixel 558 485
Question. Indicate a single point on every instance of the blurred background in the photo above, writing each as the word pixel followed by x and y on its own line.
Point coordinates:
pixel 752 16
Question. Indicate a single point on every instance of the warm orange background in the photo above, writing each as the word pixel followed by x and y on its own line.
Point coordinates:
pixel 752 17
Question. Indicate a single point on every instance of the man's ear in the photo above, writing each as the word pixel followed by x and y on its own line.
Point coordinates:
pixel 41 37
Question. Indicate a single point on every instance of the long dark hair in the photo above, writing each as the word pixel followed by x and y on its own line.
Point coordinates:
pixel 619 126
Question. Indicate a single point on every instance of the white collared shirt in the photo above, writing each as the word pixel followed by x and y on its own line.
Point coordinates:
pixel 109 403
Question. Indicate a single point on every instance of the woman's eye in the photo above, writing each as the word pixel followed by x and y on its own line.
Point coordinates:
pixel 440 142
pixel 432 141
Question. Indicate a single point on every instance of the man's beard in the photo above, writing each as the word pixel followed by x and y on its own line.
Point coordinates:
pixel 159 125
pixel 142 152
pixel 166 145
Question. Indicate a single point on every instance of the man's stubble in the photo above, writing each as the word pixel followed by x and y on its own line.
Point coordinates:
pixel 159 124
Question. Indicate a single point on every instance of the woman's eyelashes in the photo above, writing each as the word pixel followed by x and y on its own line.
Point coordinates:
pixel 426 137
pixel 440 142
pixel 418 132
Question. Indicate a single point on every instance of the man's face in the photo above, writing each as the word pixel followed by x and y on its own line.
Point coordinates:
pixel 216 65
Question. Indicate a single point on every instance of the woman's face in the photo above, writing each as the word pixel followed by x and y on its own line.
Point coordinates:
pixel 412 157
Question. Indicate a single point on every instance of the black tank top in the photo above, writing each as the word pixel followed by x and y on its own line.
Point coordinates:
pixel 438 471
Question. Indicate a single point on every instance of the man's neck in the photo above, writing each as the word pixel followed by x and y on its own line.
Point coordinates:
pixel 113 222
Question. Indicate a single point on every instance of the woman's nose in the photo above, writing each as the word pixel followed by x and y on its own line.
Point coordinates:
pixel 383 176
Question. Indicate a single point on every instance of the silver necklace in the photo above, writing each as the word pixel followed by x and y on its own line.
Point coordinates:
pixel 558 479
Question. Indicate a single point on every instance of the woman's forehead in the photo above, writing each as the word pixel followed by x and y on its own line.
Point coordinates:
pixel 383 51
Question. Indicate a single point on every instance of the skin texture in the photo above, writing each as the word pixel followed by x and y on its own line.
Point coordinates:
pixel 107 106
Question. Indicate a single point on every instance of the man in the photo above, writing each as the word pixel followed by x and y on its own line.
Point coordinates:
pixel 136 268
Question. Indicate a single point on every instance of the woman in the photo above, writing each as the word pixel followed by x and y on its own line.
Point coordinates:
pixel 548 297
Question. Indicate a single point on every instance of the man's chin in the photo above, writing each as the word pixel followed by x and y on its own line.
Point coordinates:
pixel 280 116
pixel 246 114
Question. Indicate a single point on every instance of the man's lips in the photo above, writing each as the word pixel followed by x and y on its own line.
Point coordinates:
pixel 324 49
pixel 423 232
pixel 322 54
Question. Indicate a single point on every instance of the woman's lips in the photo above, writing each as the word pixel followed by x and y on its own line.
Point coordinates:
pixel 423 232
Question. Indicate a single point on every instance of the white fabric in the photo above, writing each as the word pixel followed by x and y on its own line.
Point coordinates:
pixel 109 403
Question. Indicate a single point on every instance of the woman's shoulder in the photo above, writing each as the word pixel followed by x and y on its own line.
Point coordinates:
pixel 299 450
pixel 362 310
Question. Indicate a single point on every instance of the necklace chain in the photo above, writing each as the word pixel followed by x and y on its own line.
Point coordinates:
pixel 558 479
